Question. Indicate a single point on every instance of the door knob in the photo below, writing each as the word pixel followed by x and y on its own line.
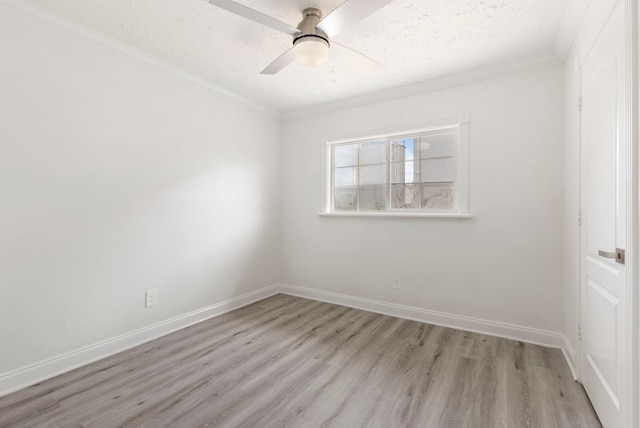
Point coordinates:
pixel 618 254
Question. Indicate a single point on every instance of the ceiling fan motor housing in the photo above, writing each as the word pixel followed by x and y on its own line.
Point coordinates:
pixel 310 19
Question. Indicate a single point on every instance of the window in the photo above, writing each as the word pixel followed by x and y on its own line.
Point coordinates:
pixel 418 171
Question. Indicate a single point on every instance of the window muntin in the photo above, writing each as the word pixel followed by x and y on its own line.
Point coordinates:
pixel 415 172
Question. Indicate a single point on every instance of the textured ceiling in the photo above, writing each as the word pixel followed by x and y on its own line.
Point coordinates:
pixel 415 40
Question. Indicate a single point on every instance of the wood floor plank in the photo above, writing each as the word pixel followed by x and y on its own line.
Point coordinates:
pixel 292 362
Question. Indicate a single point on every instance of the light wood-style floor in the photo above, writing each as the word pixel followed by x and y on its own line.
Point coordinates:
pixel 292 362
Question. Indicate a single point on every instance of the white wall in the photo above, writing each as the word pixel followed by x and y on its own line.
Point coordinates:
pixel 115 179
pixel 504 265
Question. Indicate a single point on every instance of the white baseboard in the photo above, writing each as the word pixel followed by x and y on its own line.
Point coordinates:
pixel 491 328
pixel 34 373
pixel 570 355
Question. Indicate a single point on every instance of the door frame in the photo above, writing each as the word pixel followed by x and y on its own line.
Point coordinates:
pixel 632 117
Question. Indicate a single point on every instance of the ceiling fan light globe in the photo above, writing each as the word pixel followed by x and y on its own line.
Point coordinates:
pixel 311 51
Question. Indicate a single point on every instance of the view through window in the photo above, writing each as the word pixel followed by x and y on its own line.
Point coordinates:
pixel 414 172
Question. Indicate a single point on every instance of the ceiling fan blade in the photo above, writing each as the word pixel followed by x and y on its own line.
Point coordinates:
pixel 255 16
pixel 281 62
pixel 349 13
pixel 356 59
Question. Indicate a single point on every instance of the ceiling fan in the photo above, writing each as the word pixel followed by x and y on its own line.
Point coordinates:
pixel 312 37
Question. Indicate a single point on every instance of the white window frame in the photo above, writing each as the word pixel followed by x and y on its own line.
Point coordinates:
pixel 461 156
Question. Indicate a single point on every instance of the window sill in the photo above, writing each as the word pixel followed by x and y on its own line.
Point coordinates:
pixel 393 214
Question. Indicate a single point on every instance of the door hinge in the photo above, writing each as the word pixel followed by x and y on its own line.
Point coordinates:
pixel 580 103
pixel 579 217
pixel 579 331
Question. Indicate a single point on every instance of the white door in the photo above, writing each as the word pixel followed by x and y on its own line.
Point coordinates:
pixel 604 362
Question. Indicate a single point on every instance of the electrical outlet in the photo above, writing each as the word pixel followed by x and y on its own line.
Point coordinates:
pixel 151 298
pixel 397 282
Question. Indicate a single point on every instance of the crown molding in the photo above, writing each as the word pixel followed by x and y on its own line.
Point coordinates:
pixel 478 75
pixel 573 17
pixel 82 33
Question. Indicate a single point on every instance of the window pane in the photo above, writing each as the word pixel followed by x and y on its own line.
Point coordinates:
pixel 398 172
pixel 345 155
pixel 345 199
pixel 437 196
pixel 373 198
pixel 437 170
pixel 344 177
pixel 405 196
pixel 402 150
pixel 373 174
pixel 435 146
pixel 404 172
pixel 374 152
